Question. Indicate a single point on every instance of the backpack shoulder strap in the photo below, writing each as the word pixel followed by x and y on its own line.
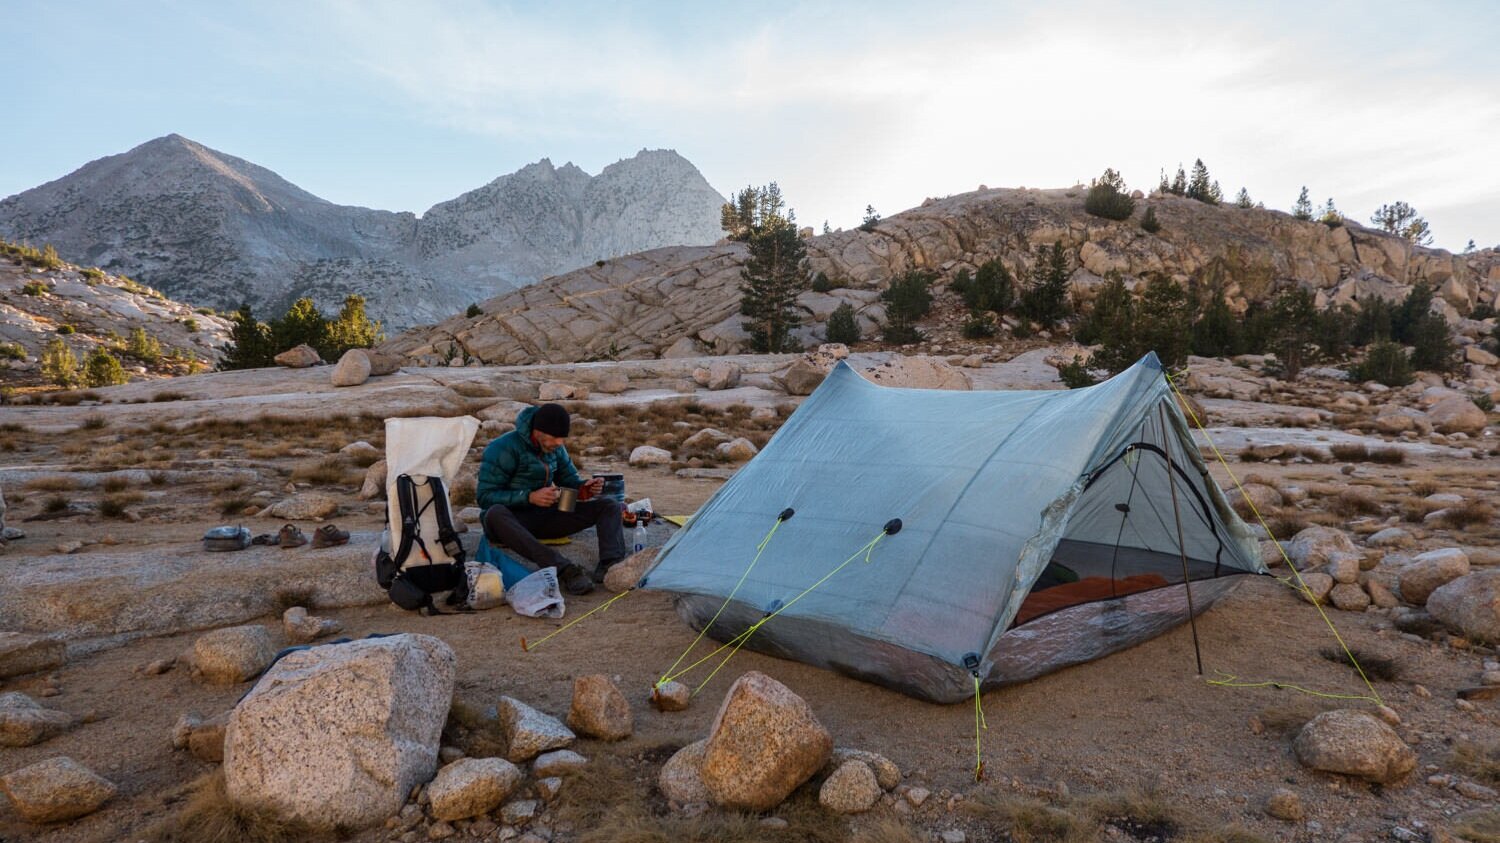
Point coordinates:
pixel 447 536
pixel 406 494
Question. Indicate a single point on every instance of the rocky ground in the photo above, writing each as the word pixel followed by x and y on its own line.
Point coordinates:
pixel 1384 498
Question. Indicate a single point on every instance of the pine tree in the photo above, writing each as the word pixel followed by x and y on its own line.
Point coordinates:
pixel 774 275
pixel 1431 348
pixel 101 368
pixel 59 366
pixel 1402 220
pixel 1469 249
pixel 1179 182
pixel 1242 199
pixel 1165 186
pixel 1149 223
pixel 1331 216
pixel 1303 210
pixel 250 346
pixel 871 219
pixel 1045 300
pixel 1110 323
pixel 1199 187
pixel 1217 332
pixel 826 228
pixel 352 329
pixel 1294 327
pixel 1215 193
pixel 842 326
pixel 1107 197
pixel 907 299
pixel 143 347
pixel 302 324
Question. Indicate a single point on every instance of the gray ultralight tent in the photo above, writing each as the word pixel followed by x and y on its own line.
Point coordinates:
pixel 1054 507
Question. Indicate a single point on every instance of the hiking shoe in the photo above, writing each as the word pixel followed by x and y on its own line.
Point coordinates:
pixel 265 539
pixel 574 581
pixel 290 537
pixel 329 535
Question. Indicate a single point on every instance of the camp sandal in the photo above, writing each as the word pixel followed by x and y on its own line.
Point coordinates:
pixel 574 581
pixel 329 535
pixel 290 537
pixel 266 539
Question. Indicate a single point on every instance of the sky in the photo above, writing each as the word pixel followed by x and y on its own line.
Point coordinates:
pixel 400 104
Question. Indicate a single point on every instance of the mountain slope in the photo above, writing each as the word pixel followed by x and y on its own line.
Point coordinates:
pixel 684 301
pixel 218 230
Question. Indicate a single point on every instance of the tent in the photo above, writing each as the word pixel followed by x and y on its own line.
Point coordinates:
pixel 1038 530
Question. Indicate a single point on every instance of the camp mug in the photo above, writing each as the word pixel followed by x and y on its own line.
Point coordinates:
pixel 566 499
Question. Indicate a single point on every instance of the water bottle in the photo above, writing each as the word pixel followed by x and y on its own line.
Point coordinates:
pixel 640 537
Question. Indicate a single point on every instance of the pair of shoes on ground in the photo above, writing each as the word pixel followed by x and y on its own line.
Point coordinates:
pixel 291 536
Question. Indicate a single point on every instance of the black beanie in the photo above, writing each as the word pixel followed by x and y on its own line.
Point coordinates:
pixel 552 420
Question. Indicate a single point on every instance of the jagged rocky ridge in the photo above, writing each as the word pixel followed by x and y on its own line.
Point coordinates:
pixel 684 301
pixel 217 230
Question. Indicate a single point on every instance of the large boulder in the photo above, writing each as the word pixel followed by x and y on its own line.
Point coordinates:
pixel 298 358
pixel 645 455
pixel 338 735
pixel 1457 415
pixel 353 369
pixel 529 732
pixel 1431 570
pixel 21 653
pixel 55 790
pixel 470 787
pixel 1471 605
pixel 1318 545
pixel 599 710
pixel 232 655
pixel 374 486
pixel 920 372
pixel 381 363
pixel 723 374
pixel 801 378
pixel 764 743
pixel 738 450
pixel 681 778
pixel 1354 743
pixel 23 722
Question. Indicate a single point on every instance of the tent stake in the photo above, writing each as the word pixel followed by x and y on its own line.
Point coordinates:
pixel 1187 582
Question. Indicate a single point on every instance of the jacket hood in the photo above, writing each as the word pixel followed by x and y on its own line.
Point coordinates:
pixel 523 423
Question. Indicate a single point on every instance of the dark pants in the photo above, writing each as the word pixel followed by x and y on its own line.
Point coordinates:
pixel 520 530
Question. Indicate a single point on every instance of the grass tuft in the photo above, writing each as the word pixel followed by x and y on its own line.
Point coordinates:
pixel 1478 827
pixel 1478 760
pixel 1030 820
pixel 1468 514
pixel 209 817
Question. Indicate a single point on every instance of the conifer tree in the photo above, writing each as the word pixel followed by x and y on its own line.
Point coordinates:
pixel 1199 187
pixel 1303 210
pixel 1403 220
pixel 774 275
pixel 1045 300
pixel 1242 199
pixel 250 342
pixel 1179 182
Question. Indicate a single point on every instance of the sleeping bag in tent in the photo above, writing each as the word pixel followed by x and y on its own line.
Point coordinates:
pixel 1039 531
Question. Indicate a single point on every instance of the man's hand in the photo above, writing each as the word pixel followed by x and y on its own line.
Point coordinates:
pixel 545 496
pixel 591 488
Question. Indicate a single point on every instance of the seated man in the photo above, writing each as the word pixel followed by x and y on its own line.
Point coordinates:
pixel 519 476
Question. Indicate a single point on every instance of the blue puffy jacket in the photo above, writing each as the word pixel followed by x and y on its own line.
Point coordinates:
pixel 513 467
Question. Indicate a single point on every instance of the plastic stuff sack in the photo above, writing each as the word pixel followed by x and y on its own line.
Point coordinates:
pixel 537 595
pixel 486 590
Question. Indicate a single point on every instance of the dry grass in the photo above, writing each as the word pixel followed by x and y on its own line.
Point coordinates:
pixel 1471 513
pixel 1478 760
pixel 231 505
pixel 115 484
pixel 270 452
pixel 1413 510
pixel 94 422
pixel 1030 820
pixel 1352 502
pixel 209 817
pixel 887 830
pixel 1425 486
pixel 51 483
pixel 1479 826
pixel 56 503
pixel 328 471
pixel 1374 665
pixel 1143 812
pixel 1225 834
pixel 1359 452
pixel 1285 523
pixel 113 506
pixel 168 395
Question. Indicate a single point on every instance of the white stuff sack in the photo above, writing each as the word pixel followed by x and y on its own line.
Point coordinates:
pixel 537 595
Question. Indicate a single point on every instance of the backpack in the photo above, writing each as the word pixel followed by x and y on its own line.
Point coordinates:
pixel 420 556
pixel 423 564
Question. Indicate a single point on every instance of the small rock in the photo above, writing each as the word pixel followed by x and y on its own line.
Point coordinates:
pixel 1344 569
pixel 738 450
pixel 557 763
pixel 723 374
pixel 203 739
pixel 1380 595
pixel 612 383
pixel 774 823
pixel 55 790
pixel 471 787
pixel 1284 804
pixel 916 796
pixel 708 437
pixel 373 487
pixel 298 358
pixel 623 575
pixel 159 666
pixel 1470 604
pixel 672 696
pixel 69 547
pixel 647 455
pixel 360 450
pixel 1475 790
pixel 952 835
pixel 23 722
pixel 232 655
pixel 599 710
pixel 558 391
pixel 886 771
pixel 1389 537
pixel 529 732
pixel 851 789
pixel 449 754
pixel 1349 597
pixel 1318 587
pixel 440 831
pixel 1319 545
pixel 306 506
pixel 520 812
